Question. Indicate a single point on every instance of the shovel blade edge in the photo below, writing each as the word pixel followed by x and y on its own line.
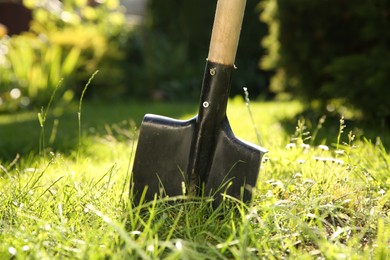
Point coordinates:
pixel 235 167
pixel 161 157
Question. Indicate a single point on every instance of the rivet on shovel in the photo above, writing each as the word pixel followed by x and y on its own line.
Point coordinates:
pixel 201 152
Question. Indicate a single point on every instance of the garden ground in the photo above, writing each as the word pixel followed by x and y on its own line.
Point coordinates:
pixel 64 190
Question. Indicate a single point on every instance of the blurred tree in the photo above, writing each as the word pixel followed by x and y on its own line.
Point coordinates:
pixel 187 24
pixel 330 50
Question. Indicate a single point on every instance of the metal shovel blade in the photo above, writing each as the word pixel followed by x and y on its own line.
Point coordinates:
pixel 235 167
pixel 161 157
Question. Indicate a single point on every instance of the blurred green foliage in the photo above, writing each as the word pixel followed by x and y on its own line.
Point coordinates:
pixel 330 52
pixel 175 41
pixel 37 67
pixel 66 43
pixel 159 68
pixel 162 59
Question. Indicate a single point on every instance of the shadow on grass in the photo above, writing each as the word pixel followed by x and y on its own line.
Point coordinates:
pixel 328 132
pixel 20 132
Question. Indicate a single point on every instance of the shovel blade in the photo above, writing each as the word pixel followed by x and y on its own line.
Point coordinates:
pixel 161 157
pixel 235 167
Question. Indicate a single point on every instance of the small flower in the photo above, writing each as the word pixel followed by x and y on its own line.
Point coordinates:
pixel 15 93
pixel 179 245
pixel 323 147
pixel 320 159
pixel 12 250
pixel 135 232
pixel 301 161
pixel 309 181
pixel 297 175
pixel 47 227
pixel 339 162
pixel 305 146
pixel 290 146
pixel 278 184
pixel 269 194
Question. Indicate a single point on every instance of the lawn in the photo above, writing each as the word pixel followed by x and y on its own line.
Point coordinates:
pixel 322 191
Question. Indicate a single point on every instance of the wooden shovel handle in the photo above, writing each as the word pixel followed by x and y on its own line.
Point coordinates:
pixel 226 31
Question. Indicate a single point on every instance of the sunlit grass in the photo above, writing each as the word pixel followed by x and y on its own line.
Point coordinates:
pixel 325 198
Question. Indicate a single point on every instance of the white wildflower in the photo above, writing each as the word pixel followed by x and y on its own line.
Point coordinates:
pixel 323 147
pixel 290 146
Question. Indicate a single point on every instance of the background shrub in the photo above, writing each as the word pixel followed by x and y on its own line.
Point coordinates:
pixel 67 40
pixel 326 50
pixel 163 59
pixel 170 50
pixel 159 68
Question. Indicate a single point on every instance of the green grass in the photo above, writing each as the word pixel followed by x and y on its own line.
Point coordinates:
pixel 21 132
pixel 312 201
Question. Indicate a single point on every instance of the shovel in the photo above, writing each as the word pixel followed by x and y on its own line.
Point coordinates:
pixel 200 156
